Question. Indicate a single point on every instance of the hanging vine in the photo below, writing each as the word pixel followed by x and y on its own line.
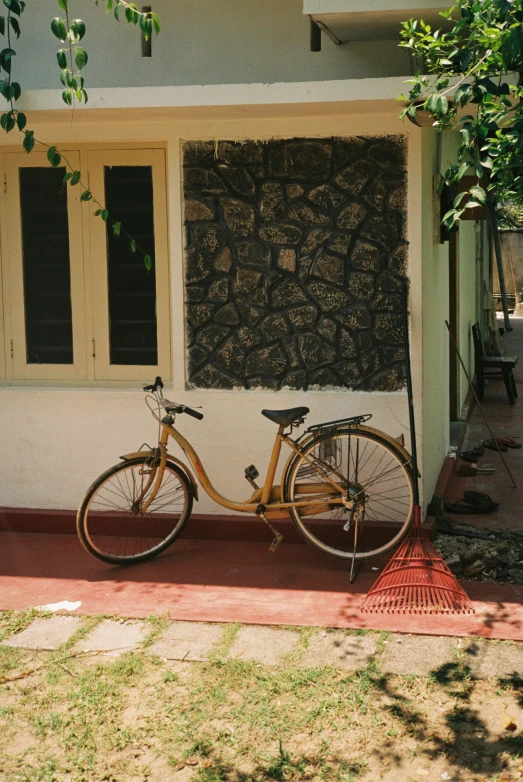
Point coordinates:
pixel 72 59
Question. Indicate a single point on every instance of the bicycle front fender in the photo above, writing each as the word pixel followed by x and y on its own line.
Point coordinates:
pixel 137 454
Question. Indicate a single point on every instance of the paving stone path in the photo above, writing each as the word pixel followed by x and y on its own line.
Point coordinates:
pixel 411 655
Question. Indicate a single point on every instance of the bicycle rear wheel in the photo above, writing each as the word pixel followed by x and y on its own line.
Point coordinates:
pixel 372 513
pixel 110 523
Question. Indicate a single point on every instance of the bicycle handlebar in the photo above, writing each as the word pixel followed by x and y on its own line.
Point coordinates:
pixel 193 413
pixel 170 407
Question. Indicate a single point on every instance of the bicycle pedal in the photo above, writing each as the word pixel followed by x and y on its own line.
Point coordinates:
pixel 275 543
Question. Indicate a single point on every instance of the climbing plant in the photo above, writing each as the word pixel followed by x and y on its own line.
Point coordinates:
pixel 71 58
pixel 472 82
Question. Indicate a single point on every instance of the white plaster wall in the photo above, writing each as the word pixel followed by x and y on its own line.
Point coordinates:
pixel 201 42
pixel 59 439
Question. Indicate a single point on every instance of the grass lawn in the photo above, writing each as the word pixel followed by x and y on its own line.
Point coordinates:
pixel 139 717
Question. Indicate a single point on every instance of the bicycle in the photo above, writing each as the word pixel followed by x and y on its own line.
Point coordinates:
pixel 342 479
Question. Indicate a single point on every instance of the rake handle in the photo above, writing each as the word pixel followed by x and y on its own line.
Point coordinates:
pixel 410 396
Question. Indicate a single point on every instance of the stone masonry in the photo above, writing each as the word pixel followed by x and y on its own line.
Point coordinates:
pixel 295 255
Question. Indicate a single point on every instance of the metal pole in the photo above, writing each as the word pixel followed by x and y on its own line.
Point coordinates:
pixel 494 439
pixel 499 260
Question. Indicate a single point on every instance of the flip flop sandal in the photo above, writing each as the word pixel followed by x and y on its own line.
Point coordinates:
pixel 469 456
pixel 480 500
pixel 508 442
pixel 461 506
pixel 491 445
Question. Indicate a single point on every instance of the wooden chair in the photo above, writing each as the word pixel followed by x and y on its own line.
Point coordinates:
pixel 493 366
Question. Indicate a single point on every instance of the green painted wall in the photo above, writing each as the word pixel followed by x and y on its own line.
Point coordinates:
pixel 467 301
pixel 435 298
pixel 201 42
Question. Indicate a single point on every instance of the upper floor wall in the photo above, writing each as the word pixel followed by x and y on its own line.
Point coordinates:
pixel 205 42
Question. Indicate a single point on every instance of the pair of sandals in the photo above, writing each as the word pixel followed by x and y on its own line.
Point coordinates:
pixel 504 444
pixel 473 502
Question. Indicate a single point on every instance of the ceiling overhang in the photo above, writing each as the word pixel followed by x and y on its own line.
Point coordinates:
pixel 343 20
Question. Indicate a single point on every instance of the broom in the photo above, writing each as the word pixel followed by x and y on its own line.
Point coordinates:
pixel 416 580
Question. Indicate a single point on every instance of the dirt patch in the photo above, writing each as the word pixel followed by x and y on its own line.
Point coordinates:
pixel 229 720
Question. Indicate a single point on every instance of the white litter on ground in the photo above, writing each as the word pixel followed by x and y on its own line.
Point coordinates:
pixel 64 605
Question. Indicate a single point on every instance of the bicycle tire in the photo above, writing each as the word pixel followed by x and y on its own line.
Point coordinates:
pixel 100 522
pixel 388 505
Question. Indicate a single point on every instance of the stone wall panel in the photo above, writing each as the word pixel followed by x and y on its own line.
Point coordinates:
pixel 295 254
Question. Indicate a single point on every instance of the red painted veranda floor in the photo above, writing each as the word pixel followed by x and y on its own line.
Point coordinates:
pixel 222 581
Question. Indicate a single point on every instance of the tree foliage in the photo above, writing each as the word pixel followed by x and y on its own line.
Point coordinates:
pixel 72 59
pixel 472 82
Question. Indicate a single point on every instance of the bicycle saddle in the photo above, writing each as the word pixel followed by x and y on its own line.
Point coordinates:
pixel 285 417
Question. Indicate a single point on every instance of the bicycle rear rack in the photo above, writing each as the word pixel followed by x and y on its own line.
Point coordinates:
pixel 355 420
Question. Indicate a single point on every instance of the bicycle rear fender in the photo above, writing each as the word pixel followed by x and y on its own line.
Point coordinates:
pixel 183 467
pixel 396 444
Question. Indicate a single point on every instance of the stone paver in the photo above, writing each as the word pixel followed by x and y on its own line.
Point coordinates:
pixel 417 655
pixel 494 660
pixel 114 637
pixel 340 650
pixel 46 634
pixel 187 641
pixel 263 644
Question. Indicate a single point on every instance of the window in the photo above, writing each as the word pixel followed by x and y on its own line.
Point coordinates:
pixel 79 305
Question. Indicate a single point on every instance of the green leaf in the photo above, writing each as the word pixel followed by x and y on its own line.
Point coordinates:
pixel 148 262
pixel 15 25
pixel 132 245
pixel 67 177
pixel 76 177
pixel 462 170
pixel 156 22
pixel 61 57
pixel 7 121
pixel 63 6
pixel 116 228
pixel 105 214
pixel 86 195
pixel 59 28
pixel 2 25
pixel 5 59
pixel 29 141
pixel 432 103
pixel 14 6
pixel 77 30
pixel 98 213
pixel 67 97
pixel 442 105
pixel 80 58
pixel 21 120
pixel 479 194
pixel 54 157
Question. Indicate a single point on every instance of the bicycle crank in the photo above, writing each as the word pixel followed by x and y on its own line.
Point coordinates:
pixel 278 537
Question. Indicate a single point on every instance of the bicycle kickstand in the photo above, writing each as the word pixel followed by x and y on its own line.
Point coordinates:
pixel 355 566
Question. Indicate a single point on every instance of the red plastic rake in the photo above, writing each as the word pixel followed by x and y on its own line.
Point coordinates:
pixel 416 580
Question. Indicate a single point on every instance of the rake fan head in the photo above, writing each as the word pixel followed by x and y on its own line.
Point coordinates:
pixel 417 581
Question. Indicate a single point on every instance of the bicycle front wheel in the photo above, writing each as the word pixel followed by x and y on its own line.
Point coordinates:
pixel 372 512
pixel 113 527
